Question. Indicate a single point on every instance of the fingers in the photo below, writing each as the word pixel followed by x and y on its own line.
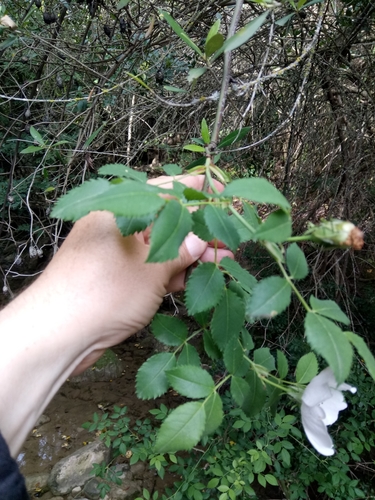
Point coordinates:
pixel 193 181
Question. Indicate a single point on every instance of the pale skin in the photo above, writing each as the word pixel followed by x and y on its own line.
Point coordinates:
pixel 96 292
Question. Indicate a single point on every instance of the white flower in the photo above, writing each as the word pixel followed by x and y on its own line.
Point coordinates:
pixel 321 402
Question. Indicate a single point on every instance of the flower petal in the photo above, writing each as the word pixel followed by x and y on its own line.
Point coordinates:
pixel 332 406
pixel 318 389
pixel 315 429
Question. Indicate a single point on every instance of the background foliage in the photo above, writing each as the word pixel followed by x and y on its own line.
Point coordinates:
pixel 85 83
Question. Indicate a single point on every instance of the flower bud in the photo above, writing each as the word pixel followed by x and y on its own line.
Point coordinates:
pixel 8 22
pixel 337 233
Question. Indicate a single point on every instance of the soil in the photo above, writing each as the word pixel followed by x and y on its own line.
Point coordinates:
pixel 75 404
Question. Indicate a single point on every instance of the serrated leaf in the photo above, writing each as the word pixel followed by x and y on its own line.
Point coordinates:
pixel 203 318
pixel 264 358
pixel 193 194
pixel 243 232
pixel 120 170
pixel 210 347
pixel 151 379
pixel 258 190
pixel 244 34
pixel 221 226
pixel 296 262
pixel 32 149
pixel 182 429
pixel 171 88
pixel 205 132
pixel 191 381
pixel 240 390
pixel 169 231
pixel 214 413
pixel 204 288
pixel 172 169
pixel 244 278
pixel 130 199
pixel 234 358
pixel 329 341
pixel 200 227
pixel 277 227
pixel 363 351
pixel 195 148
pixel 329 309
pixel 247 340
pixel 227 319
pixel 257 395
pixel 213 44
pixel 180 32
pixel 270 297
pixel 195 73
pixel 307 368
pixel 233 137
pixel 189 356
pixel 36 136
pixel 282 364
pixel 131 225
pixel 169 330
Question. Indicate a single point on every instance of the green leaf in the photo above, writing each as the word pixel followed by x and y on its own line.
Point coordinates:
pixel 233 137
pixel 189 356
pixel 258 190
pixel 363 351
pixel 244 34
pixel 307 368
pixel 213 482
pixel 240 390
pixel 191 381
pixel 169 330
pixel 170 88
pixel 172 169
pixel 205 132
pixel 213 44
pixel 200 227
pixel 271 480
pixel 283 20
pixel 151 380
pixel 227 319
pixel 195 148
pixel 204 288
pixel 180 32
pixel 32 149
pixel 244 278
pixel 130 198
pixel 120 170
pixel 214 413
pixel 131 225
pixel 122 4
pixel 36 136
pixel 296 261
pixel 195 73
pixel 93 136
pixel 329 309
pixel 193 194
pixel 270 297
pixel 254 402
pixel 277 227
pixel 221 226
pixel 11 40
pixel 210 347
pixel 234 358
pixel 169 231
pixel 213 30
pixel 247 340
pixel 182 429
pixel 329 341
pixel 282 364
pixel 264 358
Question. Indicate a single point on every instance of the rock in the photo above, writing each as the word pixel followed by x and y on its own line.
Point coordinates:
pixel 37 482
pixel 138 470
pixel 43 419
pixel 129 490
pixel 107 368
pixel 91 489
pixel 76 490
pixel 75 469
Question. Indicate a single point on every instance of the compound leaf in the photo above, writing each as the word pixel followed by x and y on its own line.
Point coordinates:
pixel 191 381
pixel 169 330
pixel 169 231
pixel 270 297
pixel 204 288
pixel 329 341
pixel 258 190
pixel 151 380
pixel 182 429
pixel 330 309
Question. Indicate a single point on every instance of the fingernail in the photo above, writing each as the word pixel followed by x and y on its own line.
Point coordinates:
pixel 195 246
